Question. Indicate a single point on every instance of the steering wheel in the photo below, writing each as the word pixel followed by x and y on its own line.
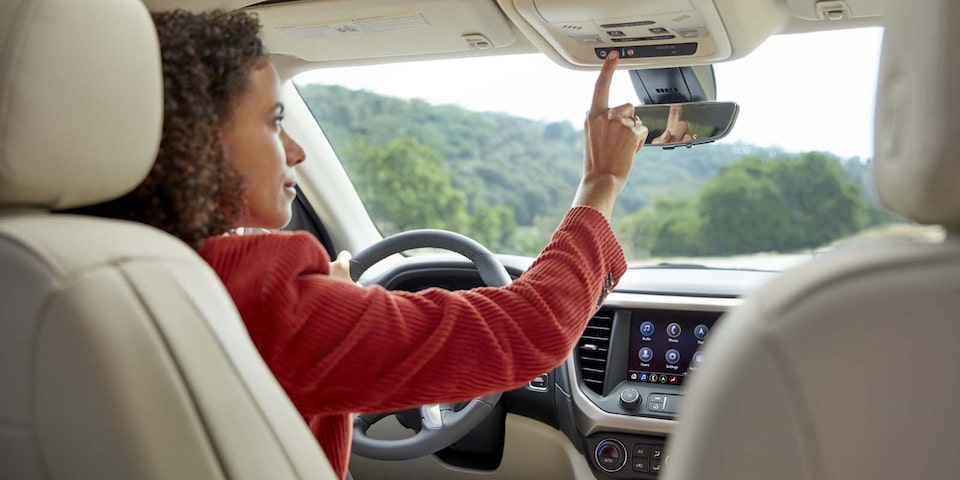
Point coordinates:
pixel 440 425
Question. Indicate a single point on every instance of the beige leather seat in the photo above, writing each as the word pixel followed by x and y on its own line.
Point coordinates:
pixel 849 367
pixel 121 354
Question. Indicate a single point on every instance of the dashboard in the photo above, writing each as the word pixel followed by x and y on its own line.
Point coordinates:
pixel 616 396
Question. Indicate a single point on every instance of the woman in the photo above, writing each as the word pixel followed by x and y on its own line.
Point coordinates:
pixel 336 348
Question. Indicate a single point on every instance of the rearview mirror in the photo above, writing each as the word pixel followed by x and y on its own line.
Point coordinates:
pixel 687 124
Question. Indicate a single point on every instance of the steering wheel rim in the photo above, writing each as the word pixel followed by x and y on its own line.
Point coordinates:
pixel 440 425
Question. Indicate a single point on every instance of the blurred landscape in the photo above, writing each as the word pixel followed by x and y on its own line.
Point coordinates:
pixel 506 181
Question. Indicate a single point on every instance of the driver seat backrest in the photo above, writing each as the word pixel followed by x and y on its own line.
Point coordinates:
pixel 121 354
pixel 849 366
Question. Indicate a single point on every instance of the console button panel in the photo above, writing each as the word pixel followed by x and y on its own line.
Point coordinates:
pixel 625 456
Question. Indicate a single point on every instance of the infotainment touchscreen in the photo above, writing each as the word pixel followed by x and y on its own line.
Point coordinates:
pixel 664 345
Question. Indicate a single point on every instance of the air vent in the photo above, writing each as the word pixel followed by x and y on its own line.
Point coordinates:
pixel 572 27
pixel 592 350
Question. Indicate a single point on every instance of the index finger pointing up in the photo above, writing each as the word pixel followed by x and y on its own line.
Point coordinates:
pixel 601 93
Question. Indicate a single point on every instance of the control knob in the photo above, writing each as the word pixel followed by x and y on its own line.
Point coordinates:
pixel 630 398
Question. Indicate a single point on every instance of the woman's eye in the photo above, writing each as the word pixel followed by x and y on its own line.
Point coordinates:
pixel 278 121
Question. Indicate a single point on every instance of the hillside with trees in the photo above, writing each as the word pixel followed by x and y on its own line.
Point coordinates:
pixel 506 181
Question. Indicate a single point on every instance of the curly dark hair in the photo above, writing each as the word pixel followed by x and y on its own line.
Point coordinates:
pixel 192 192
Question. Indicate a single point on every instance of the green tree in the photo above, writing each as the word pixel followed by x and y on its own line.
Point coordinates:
pixel 671 227
pixel 780 205
pixel 406 186
pixel 823 204
pixel 743 210
pixel 494 227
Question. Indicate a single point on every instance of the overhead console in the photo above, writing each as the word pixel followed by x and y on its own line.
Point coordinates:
pixel 644 33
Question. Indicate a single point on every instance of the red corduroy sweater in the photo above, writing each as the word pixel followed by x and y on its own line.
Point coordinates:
pixel 338 348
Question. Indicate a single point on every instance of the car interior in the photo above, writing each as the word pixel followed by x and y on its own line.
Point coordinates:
pixel 123 356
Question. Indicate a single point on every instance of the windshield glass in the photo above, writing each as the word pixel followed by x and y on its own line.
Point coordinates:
pixel 492 147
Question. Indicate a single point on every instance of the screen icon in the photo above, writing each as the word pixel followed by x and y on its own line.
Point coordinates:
pixel 645 354
pixel 672 356
pixel 674 379
pixel 701 331
pixel 653 378
pixel 673 330
pixel 633 376
pixel 644 377
pixel 698 357
pixel 647 328
pixel 663 378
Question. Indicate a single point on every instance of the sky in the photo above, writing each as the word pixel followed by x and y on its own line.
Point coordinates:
pixel 797 92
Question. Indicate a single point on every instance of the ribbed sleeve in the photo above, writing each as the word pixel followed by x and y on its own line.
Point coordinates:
pixel 338 348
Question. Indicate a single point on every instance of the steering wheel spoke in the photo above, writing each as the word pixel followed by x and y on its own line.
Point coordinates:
pixel 431 417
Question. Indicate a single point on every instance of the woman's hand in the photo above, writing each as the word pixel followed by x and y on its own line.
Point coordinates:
pixel 678 131
pixel 612 136
pixel 340 268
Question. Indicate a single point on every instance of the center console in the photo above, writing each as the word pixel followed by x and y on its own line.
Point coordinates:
pixel 649 354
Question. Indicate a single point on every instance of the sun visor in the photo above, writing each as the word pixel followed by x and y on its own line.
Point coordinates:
pixel 336 30
pixel 647 33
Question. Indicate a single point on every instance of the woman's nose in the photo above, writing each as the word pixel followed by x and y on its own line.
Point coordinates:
pixel 293 150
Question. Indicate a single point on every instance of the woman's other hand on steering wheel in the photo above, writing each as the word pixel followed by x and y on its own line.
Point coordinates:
pixel 340 268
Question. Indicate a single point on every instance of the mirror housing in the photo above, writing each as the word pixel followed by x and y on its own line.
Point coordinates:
pixel 675 84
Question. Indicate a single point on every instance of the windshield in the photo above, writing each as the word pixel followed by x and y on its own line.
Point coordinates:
pixel 492 147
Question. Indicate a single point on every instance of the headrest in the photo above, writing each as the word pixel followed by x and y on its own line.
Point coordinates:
pixel 81 101
pixel 917 132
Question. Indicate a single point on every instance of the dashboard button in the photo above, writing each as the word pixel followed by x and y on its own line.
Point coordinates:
pixel 656 452
pixel 539 383
pixel 641 450
pixel 672 356
pixel 673 330
pixel 701 331
pixel 641 465
pixel 611 455
pixel 647 328
pixel 645 354
pixel 654 466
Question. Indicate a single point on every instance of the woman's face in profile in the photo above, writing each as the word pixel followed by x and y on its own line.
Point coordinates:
pixel 261 152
